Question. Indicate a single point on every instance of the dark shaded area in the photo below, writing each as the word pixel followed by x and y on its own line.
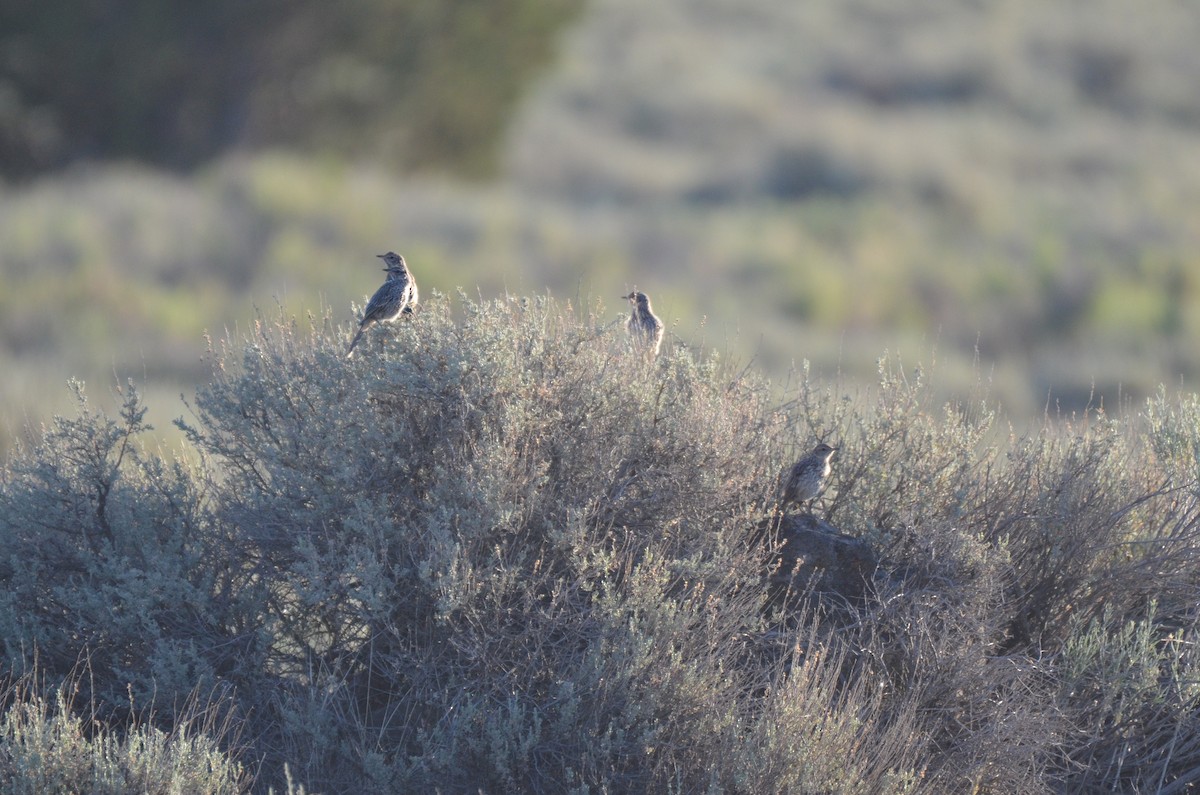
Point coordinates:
pixel 815 556
pixel 418 84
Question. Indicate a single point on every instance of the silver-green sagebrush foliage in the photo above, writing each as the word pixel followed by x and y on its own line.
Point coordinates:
pixel 49 745
pixel 500 550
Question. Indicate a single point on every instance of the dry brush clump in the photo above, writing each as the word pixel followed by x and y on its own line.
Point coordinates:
pixel 1014 568
pixel 511 553
pixel 500 550
pixel 112 553
pixel 50 742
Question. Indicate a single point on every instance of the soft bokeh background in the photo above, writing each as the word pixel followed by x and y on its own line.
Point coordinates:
pixel 1008 192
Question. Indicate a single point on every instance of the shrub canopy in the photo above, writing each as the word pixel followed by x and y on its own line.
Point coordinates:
pixel 501 550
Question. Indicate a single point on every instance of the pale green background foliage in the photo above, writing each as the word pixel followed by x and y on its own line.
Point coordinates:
pixel 1009 188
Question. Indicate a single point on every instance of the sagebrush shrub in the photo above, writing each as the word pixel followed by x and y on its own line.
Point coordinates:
pixel 499 550
pixel 111 554
pixel 50 743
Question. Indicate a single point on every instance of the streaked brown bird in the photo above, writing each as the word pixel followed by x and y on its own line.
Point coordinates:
pixel 808 476
pixel 643 325
pixel 396 296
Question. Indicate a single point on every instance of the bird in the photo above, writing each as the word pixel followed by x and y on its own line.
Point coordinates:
pixel 643 325
pixel 396 296
pixel 808 476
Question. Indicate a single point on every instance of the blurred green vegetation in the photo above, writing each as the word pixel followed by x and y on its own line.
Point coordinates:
pixel 1011 190
pixel 119 272
pixel 414 84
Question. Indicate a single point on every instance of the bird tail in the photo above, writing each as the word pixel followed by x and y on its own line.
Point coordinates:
pixel 353 342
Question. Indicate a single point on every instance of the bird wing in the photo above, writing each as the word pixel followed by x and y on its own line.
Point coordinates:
pixel 793 478
pixel 382 303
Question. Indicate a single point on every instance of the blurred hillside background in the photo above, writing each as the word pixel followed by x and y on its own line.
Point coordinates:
pixel 1008 191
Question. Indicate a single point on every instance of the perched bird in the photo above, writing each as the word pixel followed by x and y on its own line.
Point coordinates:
pixel 643 325
pixel 808 476
pixel 396 296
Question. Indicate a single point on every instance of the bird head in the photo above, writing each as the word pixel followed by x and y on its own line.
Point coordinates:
pixel 392 261
pixel 641 299
pixel 824 450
